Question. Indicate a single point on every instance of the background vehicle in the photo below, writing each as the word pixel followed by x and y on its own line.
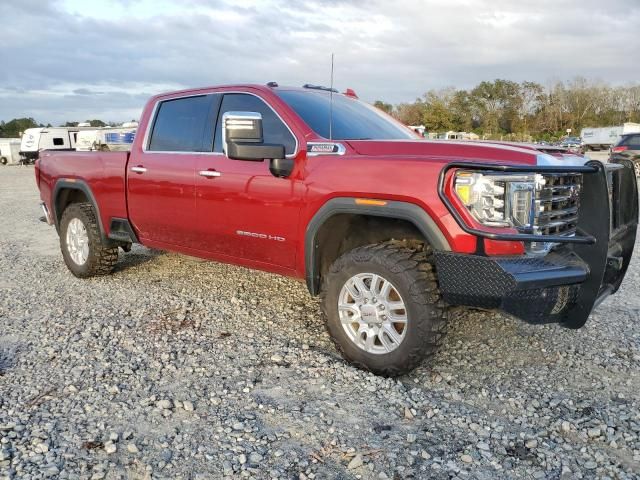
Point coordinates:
pixel 388 229
pixel 47 138
pixel 86 140
pixel 628 148
pixel 603 138
pixel 9 151
pixel 107 138
pixel 572 144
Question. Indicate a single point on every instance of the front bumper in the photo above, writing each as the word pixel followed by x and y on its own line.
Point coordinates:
pixel 568 283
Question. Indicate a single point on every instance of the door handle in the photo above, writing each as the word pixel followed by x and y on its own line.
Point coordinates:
pixel 138 169
pixel 209 173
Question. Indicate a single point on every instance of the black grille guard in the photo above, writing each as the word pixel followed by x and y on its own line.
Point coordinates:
pixel 601 248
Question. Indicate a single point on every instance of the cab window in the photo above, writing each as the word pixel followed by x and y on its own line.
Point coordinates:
pixel 183 125
pixel 273 129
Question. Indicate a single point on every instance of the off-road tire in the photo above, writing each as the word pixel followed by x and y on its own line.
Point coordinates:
pixel 413 274
pixel 101 257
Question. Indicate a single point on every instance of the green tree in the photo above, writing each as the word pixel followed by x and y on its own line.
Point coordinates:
pixel 14 128
pixel 96 123
pixel 437 115
pixel 385 107
pixel 497 103
pixel 410 113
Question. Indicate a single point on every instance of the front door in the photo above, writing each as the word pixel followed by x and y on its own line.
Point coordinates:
pixel 160 177
pixel 243 210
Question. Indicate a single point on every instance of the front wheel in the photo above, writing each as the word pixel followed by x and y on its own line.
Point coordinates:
pixel 383 308
pixel 83 250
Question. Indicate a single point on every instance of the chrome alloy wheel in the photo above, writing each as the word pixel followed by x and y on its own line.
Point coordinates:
pixel 372 313
pixel 77 241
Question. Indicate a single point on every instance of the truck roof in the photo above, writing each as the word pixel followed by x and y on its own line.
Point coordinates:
pixel 252 86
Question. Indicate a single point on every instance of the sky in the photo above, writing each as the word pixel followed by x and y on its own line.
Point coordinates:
pixel 74 60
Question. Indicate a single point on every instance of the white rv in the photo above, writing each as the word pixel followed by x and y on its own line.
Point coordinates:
pixel 9 151
pixel 603 138
pixel 87 140
pixel 47 138
pixel 107 138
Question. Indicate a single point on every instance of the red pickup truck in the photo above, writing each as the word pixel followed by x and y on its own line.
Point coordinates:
pixel 389 229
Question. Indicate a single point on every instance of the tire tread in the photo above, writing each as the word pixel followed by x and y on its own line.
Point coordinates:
pixel 424 291
pixel 102 258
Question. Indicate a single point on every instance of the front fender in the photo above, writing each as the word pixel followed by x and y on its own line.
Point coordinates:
pixel 391 209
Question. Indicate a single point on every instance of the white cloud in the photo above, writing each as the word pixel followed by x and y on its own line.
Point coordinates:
pixel 129 49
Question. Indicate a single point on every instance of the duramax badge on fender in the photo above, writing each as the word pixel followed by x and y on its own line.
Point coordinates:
pixel 389 229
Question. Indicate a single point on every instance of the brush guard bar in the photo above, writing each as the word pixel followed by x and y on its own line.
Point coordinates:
pixel 565 285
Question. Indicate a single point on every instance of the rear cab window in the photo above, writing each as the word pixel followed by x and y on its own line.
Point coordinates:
pixel 184 124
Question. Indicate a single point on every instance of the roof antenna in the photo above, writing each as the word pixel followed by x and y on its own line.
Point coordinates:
pixel 331 103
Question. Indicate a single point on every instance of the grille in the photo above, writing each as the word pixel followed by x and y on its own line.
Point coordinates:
pixel 557 202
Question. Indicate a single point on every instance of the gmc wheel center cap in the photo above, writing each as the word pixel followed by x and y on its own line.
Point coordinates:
pixel 369 314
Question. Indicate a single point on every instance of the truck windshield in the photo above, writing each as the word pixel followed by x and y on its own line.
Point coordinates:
pixel 352 119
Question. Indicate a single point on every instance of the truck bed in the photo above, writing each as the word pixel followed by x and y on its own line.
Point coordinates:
pixel 102 173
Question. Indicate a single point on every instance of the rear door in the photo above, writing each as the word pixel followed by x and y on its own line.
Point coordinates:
pixel 160 178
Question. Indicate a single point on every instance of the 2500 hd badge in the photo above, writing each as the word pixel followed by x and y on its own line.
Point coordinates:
pixel 261 235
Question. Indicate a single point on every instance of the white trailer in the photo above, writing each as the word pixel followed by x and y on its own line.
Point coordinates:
pixel 9 151
pixel 605 137
pixel 107 138
pixel 45 138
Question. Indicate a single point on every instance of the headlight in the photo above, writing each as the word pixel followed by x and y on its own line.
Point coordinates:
pixel 499 200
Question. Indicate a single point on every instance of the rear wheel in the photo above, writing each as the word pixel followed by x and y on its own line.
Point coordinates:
pixel 83 249
pixel 383 307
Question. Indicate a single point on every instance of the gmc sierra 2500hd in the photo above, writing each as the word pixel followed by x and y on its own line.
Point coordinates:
pixel 390 230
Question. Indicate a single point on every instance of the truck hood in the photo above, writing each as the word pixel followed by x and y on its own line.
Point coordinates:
pixel 528 154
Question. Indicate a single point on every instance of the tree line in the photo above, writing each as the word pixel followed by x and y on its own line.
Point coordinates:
pixel 14 128
pixel 503 109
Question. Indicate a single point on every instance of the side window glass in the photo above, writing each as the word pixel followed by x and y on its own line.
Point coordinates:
pixel 58 141
pixel 180 125
pixel 274 129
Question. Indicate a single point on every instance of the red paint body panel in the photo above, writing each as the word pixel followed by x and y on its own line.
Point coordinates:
pixel 172 207
pixel 103 172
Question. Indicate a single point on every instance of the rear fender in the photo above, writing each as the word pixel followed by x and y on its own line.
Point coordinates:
pixel 123 233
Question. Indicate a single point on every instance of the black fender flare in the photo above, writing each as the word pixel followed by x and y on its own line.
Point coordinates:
pixel 73 184
pixel 123 233
pixel 392 209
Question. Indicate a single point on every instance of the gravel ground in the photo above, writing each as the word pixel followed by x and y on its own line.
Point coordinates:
pixel 179 368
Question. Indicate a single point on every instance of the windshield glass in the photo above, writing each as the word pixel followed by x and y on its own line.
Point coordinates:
pixel 352 119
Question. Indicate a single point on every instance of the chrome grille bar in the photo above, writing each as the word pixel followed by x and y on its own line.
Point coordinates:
pixel 557 203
